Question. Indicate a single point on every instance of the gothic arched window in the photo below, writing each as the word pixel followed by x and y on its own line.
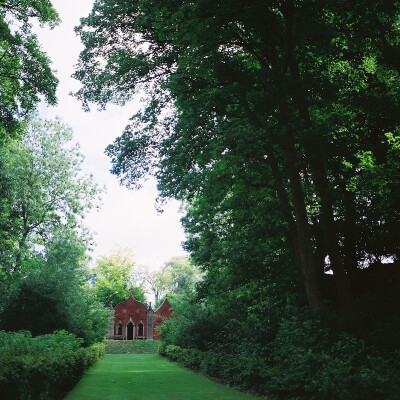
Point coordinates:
pixel 140 329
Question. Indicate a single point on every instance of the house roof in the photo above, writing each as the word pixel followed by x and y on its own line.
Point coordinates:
pixel 137 301
pixel 165 301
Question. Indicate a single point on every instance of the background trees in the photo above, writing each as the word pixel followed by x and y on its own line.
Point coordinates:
pixel 115 278
pixel 177 279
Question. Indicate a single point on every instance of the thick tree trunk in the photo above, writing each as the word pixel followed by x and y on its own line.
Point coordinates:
pixel 309 270
pixel 298 227
pixel 299 231
pixel 342 281
pixel 284 202
pixel 313 149
pixel 350 247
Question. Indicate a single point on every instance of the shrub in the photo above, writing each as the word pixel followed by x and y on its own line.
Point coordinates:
pixel 308 359
pixel 44 367
pixel 240 371
pixel 308 362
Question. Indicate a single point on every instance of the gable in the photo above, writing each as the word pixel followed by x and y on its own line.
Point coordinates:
pixel 164 310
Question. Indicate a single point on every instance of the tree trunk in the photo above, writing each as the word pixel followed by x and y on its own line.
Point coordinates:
pixel 342 281
pixel 298 228
pixel 284 205
pixel 314 150
pixel 350 247
pixel 309 270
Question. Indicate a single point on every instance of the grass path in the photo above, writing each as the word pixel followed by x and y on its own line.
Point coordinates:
pixel 147 377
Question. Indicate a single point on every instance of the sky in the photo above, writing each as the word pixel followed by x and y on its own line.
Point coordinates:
pixel 128 218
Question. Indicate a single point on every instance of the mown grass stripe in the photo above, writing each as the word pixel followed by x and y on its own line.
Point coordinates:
pixel 147 377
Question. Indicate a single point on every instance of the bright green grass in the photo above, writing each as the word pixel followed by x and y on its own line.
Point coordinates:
pixel 147 377
pixel 131 346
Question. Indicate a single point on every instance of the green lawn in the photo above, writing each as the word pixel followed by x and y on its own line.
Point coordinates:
pixel 147 377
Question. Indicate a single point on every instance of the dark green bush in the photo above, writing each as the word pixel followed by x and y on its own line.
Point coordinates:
pixel 44 367
pixel 240 371
pixel 307 361
pixel 308 358
pixel 162 347
pixel 71 306
pixel 272 344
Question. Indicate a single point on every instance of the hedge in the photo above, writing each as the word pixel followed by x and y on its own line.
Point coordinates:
pixel 346 371
pixel 131 346
pixel 44 367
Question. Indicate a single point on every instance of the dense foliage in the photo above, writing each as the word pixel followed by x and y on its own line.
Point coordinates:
pixel 44 191
pixel 298 369
pixel 45 367
pixel 43 258
pixel 285 112
pixel 276 123
pixel 25 70
pixel 176 279
pixel 114 278
pixel 296 354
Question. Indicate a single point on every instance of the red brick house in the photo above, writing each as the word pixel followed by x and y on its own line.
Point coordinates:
pixel 131 319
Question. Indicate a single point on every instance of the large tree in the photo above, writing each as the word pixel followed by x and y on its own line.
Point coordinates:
pixel 275 95
pixel 43 189
pixel 43 243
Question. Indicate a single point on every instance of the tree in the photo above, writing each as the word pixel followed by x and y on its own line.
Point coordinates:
pixel 158 282
pixel 44 190
pixel 177 278
pixel 184 276
pixel 269 94
pixel 25 70
pixel 43 243
pixel 54 293
pixel 115 278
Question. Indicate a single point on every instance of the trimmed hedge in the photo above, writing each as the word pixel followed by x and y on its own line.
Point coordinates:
pixel 242 372
pixel 347 370
pixel 131 346
pixel 44 367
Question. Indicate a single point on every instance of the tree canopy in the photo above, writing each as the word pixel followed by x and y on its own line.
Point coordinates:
pixel 115 278
pixel 44 245
pixel 292 101
pixel 43 189
pixel 26 76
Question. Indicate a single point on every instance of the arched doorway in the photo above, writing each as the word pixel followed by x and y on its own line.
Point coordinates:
pixel 129 331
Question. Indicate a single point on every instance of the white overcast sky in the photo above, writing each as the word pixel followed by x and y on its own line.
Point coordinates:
pixel 128 218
